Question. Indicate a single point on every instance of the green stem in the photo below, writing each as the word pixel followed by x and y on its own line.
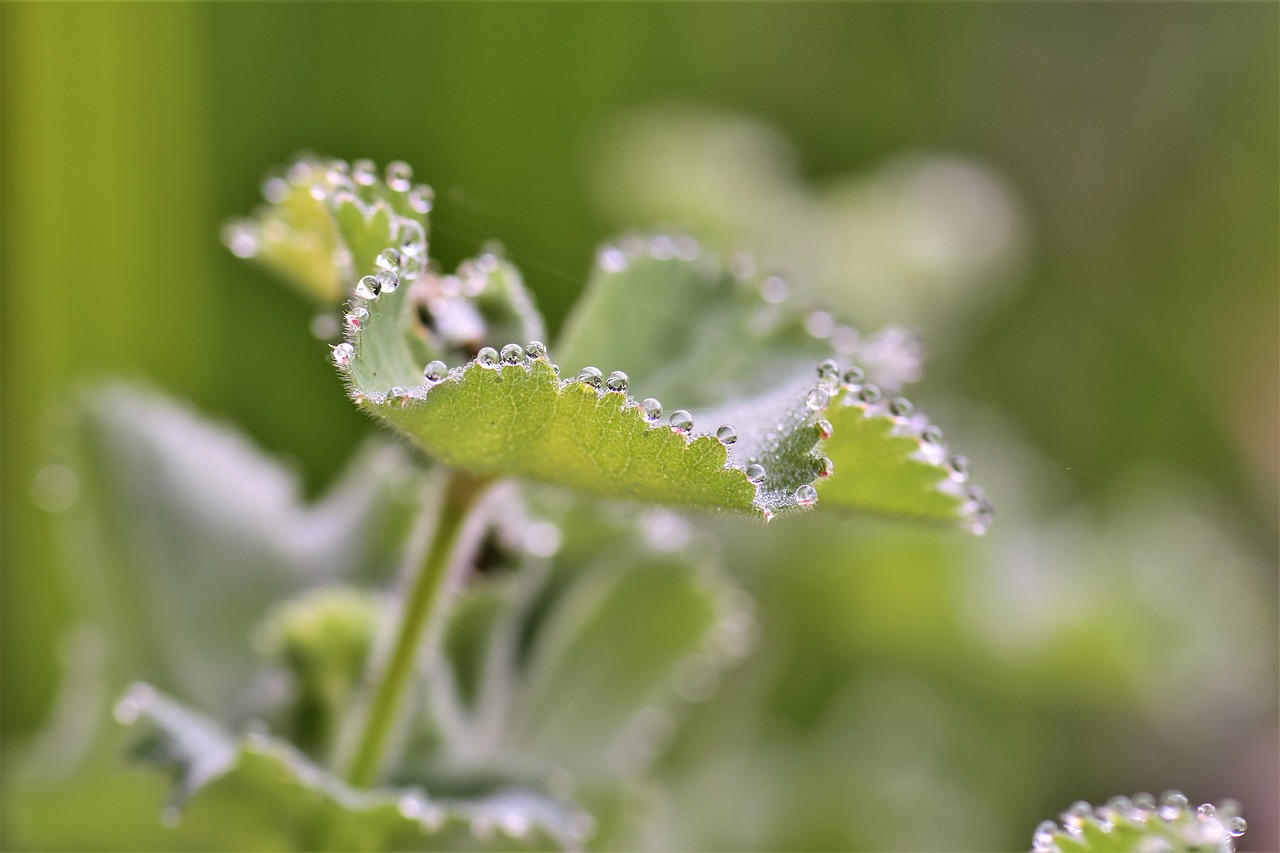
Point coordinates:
pixel 380 714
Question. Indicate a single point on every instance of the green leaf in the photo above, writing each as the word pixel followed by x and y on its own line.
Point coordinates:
pixel 1134 826
pixel 720 345
pixel 290 803
pixel 186 534
pixel 692 332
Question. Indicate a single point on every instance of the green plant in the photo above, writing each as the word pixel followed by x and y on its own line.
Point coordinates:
pixel 515 687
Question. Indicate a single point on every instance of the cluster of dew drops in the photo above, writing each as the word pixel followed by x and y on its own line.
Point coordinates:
pixel 395 264
pixel 339 184
pixel 1206 827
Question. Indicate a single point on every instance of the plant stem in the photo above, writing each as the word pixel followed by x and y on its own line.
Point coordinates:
pixel 460 495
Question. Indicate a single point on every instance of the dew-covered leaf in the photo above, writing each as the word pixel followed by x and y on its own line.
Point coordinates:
pixel 732 348
pixel 185 534
pixel 668 320
pixel 281 800
pixel 1142 824
pixel 325 222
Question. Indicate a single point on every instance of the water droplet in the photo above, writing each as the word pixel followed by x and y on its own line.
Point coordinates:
pixel 807 495
pixel 388 259
pixel 853 378
pixel 435 371
pixel 410 806
pixel 662 248
pixel 342 355
pixel 388 281
pixel 299 173
pixel 681 420
pixel 513 354
pixel 421 198
pixel 869 394
pixel 1173 804
pixel 756 473
pixel 617 381
pixel 820 324
pixel 828 367
pixel 275 189
pixel 319 192
pixel 900 407
pixel 398 395
pixel 364 172
pixel 241 238
pixel 727 434
pixel 535 349
pixel 774 289
pixel 515 824
pixel 591 376
pixel 612 259
pixel 824 429
pixel 487 357
pixel 652 408
pixel 368 287
pixel 1236 826
pixel 399 176
pixel 355 318
pixel 959 466
pixel 338 170
pixel 413 237
pixel 817 399
pixel 542 539
pixel 931 436
pixel 1043 836
pixel 324 326
pixel 687 248
pixel 825 466
pixel 1207 811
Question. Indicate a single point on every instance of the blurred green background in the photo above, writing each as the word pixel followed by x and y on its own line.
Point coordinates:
pixel 1137 347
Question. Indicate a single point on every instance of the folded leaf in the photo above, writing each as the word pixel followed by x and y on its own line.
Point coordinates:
pixel 291 803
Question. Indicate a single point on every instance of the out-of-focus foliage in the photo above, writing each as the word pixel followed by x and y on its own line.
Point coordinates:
pixel 917 692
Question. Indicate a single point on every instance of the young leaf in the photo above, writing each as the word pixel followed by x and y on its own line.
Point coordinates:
pixel 326 220
pixel 1141 824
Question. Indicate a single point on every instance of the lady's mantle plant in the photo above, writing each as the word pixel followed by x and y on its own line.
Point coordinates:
pixel 516 686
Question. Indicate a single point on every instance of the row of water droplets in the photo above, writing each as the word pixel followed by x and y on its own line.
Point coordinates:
pixel 852 388
pixel 892 354
pixel 1172 823
pixel 402 263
